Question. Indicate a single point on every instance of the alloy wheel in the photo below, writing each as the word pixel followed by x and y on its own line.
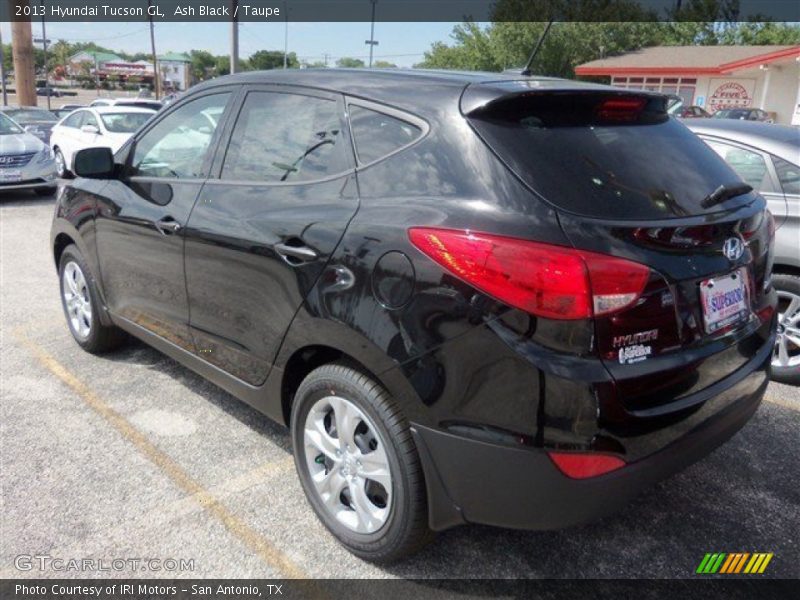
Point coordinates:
pixel 77 300
pixel 348 464
pixel 787 342
pixel 61 166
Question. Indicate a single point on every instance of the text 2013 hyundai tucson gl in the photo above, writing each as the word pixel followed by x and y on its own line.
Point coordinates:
pixel 473 298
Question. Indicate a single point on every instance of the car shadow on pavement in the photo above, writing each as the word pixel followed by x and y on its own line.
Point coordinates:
pixel 26 199
pixel 137 352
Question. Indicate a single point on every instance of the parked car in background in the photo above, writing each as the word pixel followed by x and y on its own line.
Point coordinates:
pixel 692 112
pixel 743 114
pixel 140 102
pixel 36 121
pixel 49 91
pixel 767 157
pixel 63 111
pixel 108 126
pixel 471 297
pixel 26 163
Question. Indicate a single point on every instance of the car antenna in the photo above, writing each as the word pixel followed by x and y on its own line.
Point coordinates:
pixel 527 70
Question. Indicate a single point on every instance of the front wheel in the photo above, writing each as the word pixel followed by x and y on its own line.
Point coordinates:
pixel 80 301
pixel 786 357
pixel 358 464
pixel 61 163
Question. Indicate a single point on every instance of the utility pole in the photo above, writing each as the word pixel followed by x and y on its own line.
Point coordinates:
pixel 371 41
pixel 234 39
pixel 3 72
pixel 156 74
pixel 24 66
pixel 286 36
pixel 44 48
pixel 96 74
pixel 326 56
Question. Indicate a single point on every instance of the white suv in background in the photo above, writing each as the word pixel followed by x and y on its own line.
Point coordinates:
pixel 109 126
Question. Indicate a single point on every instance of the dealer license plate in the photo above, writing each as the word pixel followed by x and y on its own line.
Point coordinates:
pixel 724 300
pixel 9 175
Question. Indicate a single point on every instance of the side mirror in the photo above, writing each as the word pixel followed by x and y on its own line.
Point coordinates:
pixel 90 129
pixel 93 163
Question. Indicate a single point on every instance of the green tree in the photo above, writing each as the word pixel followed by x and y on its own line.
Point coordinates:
pixel 350 63
pixel 223 65
pixel 384 64
pixel 202 64
pixel 272 59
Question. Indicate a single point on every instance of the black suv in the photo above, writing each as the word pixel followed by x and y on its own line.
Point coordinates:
pixel 473 298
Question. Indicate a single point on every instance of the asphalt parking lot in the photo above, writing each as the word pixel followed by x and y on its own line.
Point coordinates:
pixel 131 455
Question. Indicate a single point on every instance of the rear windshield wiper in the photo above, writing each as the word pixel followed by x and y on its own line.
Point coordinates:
pixel 725 192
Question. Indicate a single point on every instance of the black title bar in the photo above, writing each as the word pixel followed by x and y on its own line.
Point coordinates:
pixel 400 10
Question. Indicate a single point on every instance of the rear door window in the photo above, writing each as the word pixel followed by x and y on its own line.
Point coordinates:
pixel 788 175
pixel 605 156
pixel 282 137
pixel 377 134
pixel 751 166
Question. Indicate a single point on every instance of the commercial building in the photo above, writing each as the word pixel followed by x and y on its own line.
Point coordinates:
pixel 176 72
pixel 105 65
pixel 713 77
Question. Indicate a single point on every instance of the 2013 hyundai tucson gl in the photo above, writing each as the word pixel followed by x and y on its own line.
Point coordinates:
pixel 473 298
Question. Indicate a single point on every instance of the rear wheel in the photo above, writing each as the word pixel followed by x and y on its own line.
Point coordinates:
pixel 80 302
pixel 786 356
pixel 358 464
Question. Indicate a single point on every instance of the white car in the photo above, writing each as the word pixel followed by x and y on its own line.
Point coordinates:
pixel 26 163
pixel 108 126
pixel 138 102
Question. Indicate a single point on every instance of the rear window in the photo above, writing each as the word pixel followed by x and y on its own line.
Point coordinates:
pixel 377 134
pixel 617 157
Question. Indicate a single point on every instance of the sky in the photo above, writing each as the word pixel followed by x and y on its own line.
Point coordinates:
pixel 399 43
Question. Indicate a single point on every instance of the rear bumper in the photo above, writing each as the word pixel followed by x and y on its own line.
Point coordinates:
pixel 473 481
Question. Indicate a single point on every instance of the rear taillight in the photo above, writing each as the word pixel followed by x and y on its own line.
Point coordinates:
pixel 542 279
pixel 583 466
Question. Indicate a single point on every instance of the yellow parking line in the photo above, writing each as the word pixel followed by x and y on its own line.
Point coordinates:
pixel 260 545
pixel 782 403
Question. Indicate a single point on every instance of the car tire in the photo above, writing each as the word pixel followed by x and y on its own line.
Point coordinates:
pixel 386 525
pixel 48 191
pixel 787 370
pixel 61 164
pixel 81 304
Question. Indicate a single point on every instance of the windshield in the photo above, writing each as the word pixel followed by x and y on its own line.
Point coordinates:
pixel 7 126
pixel 124 122
pixel 31 116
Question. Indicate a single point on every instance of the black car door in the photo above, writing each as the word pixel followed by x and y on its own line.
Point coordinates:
pixel 263 230
pixel 141 217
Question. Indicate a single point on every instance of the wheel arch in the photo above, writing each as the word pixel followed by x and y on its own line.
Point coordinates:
pixel 312 342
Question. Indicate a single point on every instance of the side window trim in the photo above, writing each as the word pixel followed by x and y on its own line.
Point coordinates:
pixel 390 111
pixel 215 177
pixel 130 146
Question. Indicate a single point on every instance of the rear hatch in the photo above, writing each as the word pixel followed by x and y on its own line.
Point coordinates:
pixel 628 180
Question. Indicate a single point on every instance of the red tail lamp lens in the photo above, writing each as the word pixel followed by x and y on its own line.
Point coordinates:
pixel 542 279
pixel 583 466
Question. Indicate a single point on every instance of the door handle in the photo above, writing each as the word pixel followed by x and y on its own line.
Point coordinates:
pixel 295 255
pixel 168 226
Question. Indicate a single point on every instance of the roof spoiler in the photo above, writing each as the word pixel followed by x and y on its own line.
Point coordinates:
pixel 479 97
